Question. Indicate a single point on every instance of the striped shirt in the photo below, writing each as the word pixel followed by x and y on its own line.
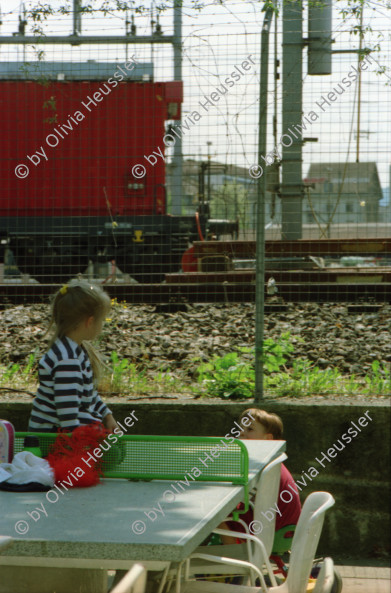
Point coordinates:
pixel 66 397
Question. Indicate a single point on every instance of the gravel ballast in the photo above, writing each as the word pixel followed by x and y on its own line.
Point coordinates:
pixel 325 334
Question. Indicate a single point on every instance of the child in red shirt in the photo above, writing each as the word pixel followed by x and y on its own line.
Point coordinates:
pixel 268 426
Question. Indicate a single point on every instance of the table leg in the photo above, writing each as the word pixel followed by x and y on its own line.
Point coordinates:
pixel 164 578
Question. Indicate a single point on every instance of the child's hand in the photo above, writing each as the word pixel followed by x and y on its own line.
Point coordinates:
pixel 110 422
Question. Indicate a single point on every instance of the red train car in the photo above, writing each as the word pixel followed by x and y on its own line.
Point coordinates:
pixel 76 183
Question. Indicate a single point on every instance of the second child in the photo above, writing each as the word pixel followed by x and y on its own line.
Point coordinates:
pixel 68 373
pixel 268 426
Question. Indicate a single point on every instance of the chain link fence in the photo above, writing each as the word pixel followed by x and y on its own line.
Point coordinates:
pixel 131 155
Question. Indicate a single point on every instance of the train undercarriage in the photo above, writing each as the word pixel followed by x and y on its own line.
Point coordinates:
pixel 53 250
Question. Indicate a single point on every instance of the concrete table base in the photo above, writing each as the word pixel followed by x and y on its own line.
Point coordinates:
pixel 34 579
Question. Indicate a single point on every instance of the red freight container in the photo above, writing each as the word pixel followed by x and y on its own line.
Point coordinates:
pixel 67 137
pixel 78 137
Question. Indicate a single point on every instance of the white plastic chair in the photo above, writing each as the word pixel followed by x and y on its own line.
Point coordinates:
pixel 304 545
pixel 257 548
pixel 326 576
pixel 133 582
pixel 305 542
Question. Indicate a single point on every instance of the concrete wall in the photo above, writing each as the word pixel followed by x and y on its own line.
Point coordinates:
pixel 358 475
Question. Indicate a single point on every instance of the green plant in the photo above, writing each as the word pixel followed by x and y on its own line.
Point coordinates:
pixel 18 377
pixel 118 369
pixel 351 385
pixel 379 380
pixel 305 379
pixel 275 353
pixel 125 377
pixel 226 376
pixel 233 375
pixel 30 362
pixel 10 371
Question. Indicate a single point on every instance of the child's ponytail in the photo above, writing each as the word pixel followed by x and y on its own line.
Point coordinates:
pixel 96 361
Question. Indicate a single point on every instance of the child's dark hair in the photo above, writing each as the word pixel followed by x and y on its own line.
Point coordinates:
pixel 72 304
pixel 270 421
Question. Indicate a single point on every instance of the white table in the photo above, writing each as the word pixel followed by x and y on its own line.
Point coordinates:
pixel 91 528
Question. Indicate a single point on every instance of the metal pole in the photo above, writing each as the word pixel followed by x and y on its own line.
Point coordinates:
pixel 359 88
pixel 176 191
pixel 209 144
pixel 291 182
pixel 261 199
pixel 76 17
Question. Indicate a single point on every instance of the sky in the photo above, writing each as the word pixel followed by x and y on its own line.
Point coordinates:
pixel 219 38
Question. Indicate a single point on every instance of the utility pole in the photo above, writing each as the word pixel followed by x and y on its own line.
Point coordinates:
pixel 292 74
pixel 176 191
pixel 76 18
pixel 319 63
pixel 360 57
pixel 261 200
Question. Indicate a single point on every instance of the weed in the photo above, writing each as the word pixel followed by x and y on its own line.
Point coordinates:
pixel 352 385
pixel 30 362
pixel 126 377
pixel 379 380
pixel 10 371
pixel 229 376
pixel 233 375
pixel 15 376
pixel 304 379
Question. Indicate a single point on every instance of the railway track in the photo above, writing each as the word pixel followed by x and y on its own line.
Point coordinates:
pixel 215 281
pixel 213 291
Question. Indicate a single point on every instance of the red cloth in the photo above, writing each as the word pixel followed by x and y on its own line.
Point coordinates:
pixel 69 456
pixel 290 510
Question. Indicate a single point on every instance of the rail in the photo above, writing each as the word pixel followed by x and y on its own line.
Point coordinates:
pixel 212 292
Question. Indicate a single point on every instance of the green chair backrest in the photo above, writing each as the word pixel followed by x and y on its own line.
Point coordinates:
pixel 283 540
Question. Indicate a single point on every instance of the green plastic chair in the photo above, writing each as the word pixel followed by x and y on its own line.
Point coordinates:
pixel 282 544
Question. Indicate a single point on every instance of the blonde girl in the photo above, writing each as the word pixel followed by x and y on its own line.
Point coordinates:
pixel 68 372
